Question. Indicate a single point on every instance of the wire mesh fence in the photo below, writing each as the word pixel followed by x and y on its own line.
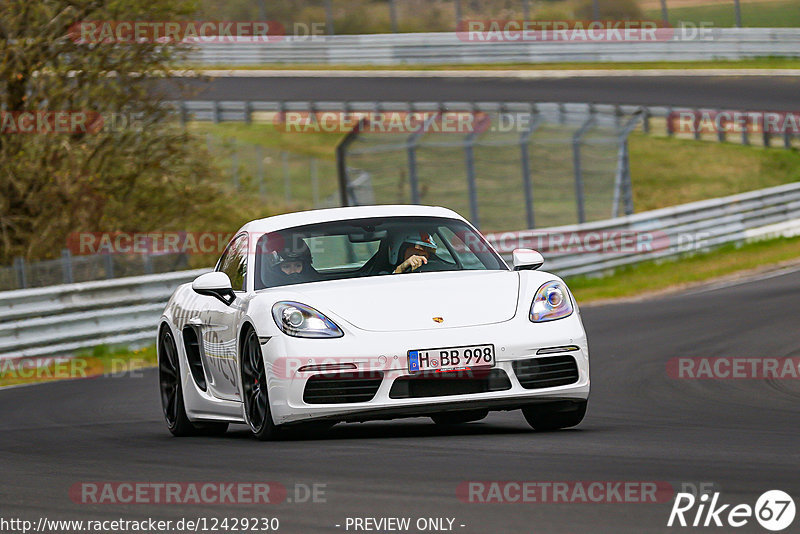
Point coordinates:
pixel 296 179
pixel 545 166
pixel 71 268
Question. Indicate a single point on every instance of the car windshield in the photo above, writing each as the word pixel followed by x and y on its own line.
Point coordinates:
pixel 360 248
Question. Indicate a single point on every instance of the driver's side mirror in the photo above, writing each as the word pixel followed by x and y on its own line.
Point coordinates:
pixel 215 284
pixel 527 259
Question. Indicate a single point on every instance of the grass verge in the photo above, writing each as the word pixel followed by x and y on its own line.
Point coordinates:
pixel 778 14
pixel 658 276
pixel 99 361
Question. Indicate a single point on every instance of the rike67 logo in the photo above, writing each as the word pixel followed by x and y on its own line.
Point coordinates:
pixel 774 510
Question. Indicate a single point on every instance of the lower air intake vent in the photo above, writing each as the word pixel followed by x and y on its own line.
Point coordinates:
pixel 339 388
pixel 439 384
pixel 537 373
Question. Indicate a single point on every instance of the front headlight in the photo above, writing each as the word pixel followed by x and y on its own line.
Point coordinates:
pixel 550 303
pixel 299 320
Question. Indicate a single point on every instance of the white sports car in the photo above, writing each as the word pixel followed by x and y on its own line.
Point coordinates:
pixel 378 312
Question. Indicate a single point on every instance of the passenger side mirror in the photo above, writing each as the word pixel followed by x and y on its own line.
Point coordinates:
pixel 527 259
pixel 215 284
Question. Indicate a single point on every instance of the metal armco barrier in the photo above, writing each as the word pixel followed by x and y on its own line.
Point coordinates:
pixel 450 48
pixel 596 247
pixel 60 320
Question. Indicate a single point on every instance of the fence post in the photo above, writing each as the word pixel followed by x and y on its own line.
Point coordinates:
pixel 248 112
pixel 66 266
pixel 19 267
pixel 577 137
pixel 287 185
pixel 393 15
pixel 766 135
pixel 526 9
pixel 670 129
pixel 646 120
pixel 184 113
pixel 664 15
pixel 235 165
pixel 458 14
pixel 469 154
pixel 147 263
pixel 623 189
pixel 329 16
pixel 260 155
pixel 738 10
pixel 314 182
pixel 341 161
pixel 108 259
pixel 216 112
pixel 787 135
pixel 524 138
pixel 411 154
pixel 745 132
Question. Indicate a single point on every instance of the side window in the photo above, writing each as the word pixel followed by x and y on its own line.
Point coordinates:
pixel 234 262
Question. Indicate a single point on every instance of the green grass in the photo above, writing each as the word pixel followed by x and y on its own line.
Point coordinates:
pixel 654 276
pixel 666 172
pixel 783 13
pixel 99 361
pixel 754 63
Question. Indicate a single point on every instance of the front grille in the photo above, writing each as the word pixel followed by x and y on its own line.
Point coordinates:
pixel 438 384
pixel 339 388
pixel 537 373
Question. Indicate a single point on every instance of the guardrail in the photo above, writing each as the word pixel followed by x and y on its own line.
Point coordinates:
pixel 60 320
pixel 597 247
pixel 449 48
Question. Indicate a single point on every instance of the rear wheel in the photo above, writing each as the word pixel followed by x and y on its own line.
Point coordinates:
pixel 254 386
pixel 555 415
pixel 457 418
pixel 169 378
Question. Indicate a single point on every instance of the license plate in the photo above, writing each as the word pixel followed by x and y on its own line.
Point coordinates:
pixel 451 358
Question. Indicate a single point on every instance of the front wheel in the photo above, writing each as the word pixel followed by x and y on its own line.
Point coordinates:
pixel 254 386
pixel 555 415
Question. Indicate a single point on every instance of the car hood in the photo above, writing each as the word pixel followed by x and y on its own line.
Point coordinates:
pixel 412 301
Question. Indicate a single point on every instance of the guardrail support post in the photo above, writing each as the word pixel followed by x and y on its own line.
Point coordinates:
pixel 745 133
pixel 66 266
pixel 314 181
pixel 19 267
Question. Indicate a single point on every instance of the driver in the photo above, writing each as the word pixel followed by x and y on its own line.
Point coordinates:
pixel 409 252
pixel 292 264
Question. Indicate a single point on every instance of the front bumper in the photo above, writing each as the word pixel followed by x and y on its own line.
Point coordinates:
pixel 386 352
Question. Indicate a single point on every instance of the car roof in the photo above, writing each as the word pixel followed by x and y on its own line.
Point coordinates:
pixel 300 218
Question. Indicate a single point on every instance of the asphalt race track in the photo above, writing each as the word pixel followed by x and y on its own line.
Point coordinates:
pixel 761 93
pixel 740 435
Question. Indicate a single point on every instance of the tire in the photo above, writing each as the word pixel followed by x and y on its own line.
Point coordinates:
pixel 254 388
pixel 172 393
pixel 556 415
pixel 457 418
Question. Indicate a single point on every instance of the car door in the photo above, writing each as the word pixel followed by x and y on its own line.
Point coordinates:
pixel 218 323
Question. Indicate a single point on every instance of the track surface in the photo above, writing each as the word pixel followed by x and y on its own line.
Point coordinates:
pixel 641 426
pixel 743 92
